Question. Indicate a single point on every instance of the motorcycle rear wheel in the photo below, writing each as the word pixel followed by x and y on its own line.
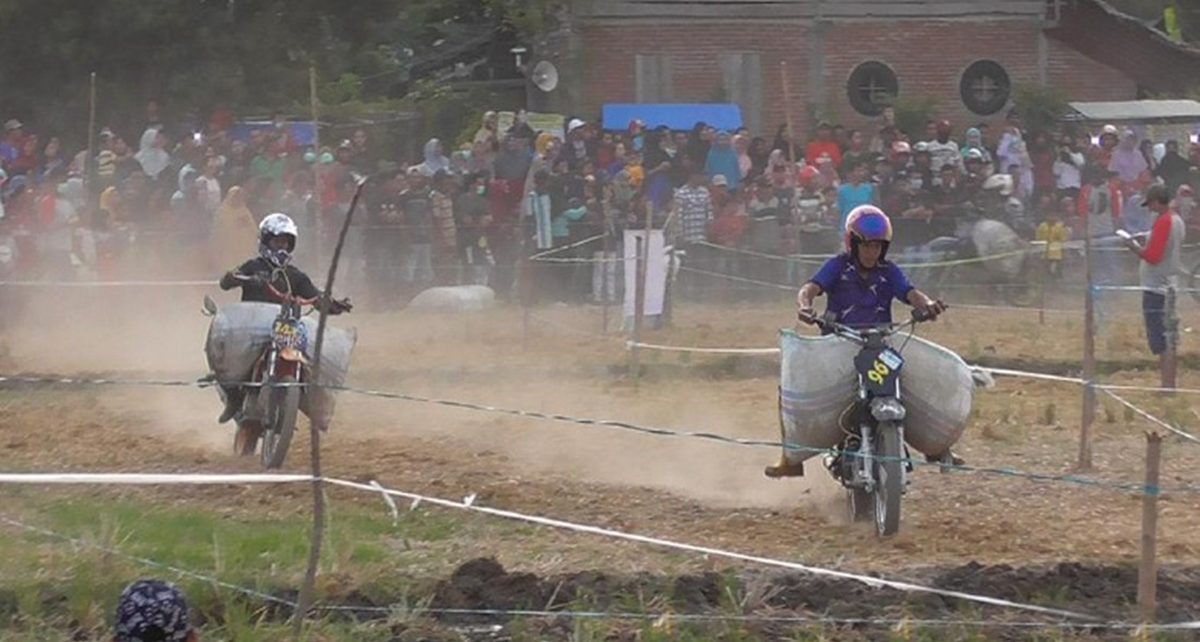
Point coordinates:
pixel 279 423
pixel 889 479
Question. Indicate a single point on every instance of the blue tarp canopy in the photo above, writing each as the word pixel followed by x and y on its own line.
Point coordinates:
pixel 304 133
pixel 677 116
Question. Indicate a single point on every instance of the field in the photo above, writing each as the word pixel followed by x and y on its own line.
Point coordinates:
pixel 1062 545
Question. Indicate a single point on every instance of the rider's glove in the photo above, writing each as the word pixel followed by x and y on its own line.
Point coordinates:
pixel 336 306
pixel 807 315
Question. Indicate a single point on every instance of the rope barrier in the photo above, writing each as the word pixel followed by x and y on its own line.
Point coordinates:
pixel 657 431
pixel 660 617
pixel 873 582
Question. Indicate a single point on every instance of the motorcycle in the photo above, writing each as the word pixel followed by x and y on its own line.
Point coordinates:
pixel 956 260
pixel 872 461
pixel 272 400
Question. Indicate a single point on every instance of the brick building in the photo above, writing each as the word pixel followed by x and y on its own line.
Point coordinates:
pixel 844 59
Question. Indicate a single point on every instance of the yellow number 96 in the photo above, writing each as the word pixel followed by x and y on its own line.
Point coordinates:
pixel 879 371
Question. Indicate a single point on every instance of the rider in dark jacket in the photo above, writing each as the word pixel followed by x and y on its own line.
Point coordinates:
pixel 276 241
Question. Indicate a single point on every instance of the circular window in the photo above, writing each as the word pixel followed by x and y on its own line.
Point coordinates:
pixel 871 87
pixel 985 87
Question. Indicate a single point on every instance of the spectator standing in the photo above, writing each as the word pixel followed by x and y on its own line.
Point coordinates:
pixel 1173 168
pixel 152 153
pixel 486 143
pixel 435 157
pixel 855 153
pixel 446 266
pixel 1158 272
pixel 1128 162
pixel 854 192
pixel 693 209
pixel 14 137
pixel 471 211
pixel 383 247
pixel 235 232
pixel 1068 170
pixel 28 159
pixel 824 144
pixel 1054 233
pixel 53 159
pixel 723 161
pixel 942 150
pixel 417 252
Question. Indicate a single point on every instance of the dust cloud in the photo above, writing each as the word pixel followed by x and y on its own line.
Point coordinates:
pixel 160 333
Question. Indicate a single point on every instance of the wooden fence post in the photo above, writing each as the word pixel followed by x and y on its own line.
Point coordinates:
pixel 1147 595
pixel 1089 364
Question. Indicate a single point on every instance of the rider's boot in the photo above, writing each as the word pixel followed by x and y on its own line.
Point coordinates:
pixel 784 469
pixel 947 459
pixel 233 404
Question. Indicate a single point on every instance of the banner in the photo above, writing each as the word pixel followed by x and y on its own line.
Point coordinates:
pixel 550 123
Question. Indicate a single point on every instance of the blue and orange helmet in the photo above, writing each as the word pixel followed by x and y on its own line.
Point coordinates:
pixel 867 223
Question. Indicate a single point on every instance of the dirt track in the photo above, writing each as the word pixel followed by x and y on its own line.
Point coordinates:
pixel 700 493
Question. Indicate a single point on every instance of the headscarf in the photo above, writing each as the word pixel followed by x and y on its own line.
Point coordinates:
pixel 234 234
pixel 151 610
pixel 723 161
pixel 152 158
pixel 1127 160
pixel 745 163
pixel 435 160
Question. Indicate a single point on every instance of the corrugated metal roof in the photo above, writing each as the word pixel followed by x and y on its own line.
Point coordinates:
pixel 1137 110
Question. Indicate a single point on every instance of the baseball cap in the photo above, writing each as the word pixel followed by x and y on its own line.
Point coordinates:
pixel 12 124
pixel 973 154
pixel 921 148
pixel 720 179
pixel 901 147
pixel 574 124
pixel 1156 194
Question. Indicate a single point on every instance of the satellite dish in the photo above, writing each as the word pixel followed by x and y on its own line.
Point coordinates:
pixel 545 76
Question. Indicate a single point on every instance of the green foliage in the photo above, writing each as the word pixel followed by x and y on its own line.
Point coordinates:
pixel 912 113
pixel 251 55
pixel 527 17
pixel 1041 108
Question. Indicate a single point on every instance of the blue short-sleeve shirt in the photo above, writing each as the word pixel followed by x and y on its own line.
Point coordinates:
pixel 858 300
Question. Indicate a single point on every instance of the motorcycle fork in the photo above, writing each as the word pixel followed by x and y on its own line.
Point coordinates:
pixel 864 476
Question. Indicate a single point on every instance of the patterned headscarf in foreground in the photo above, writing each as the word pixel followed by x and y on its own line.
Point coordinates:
pixel 152 611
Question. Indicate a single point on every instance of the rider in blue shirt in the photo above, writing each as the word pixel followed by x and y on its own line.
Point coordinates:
pixel 861 284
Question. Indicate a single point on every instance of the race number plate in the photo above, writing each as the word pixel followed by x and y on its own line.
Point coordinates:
pixel 880 370
pixel 288 335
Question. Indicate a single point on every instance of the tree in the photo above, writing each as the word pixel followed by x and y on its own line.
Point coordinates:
pixel 251 55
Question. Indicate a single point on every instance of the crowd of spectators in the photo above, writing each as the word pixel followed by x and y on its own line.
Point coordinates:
pixel 470 212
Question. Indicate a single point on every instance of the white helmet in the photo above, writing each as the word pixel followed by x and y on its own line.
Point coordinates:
pixel 275 225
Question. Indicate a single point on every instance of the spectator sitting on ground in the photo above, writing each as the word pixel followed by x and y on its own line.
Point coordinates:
pixel 153 611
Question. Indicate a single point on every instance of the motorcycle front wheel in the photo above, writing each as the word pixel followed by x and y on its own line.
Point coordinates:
pixel 889 478
pixel 279 423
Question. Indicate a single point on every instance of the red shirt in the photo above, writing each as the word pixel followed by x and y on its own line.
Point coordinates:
pixel 818 147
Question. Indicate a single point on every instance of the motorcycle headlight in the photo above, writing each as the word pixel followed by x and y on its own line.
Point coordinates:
pixel 887 409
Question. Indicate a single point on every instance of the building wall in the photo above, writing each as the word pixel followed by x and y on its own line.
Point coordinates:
pixel 928 57
pixel 1082 78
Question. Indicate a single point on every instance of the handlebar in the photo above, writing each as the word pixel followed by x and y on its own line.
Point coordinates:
pixel 283 297
pixel 860 335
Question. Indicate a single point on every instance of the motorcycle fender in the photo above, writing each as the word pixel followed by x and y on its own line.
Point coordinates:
pixel 294 355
